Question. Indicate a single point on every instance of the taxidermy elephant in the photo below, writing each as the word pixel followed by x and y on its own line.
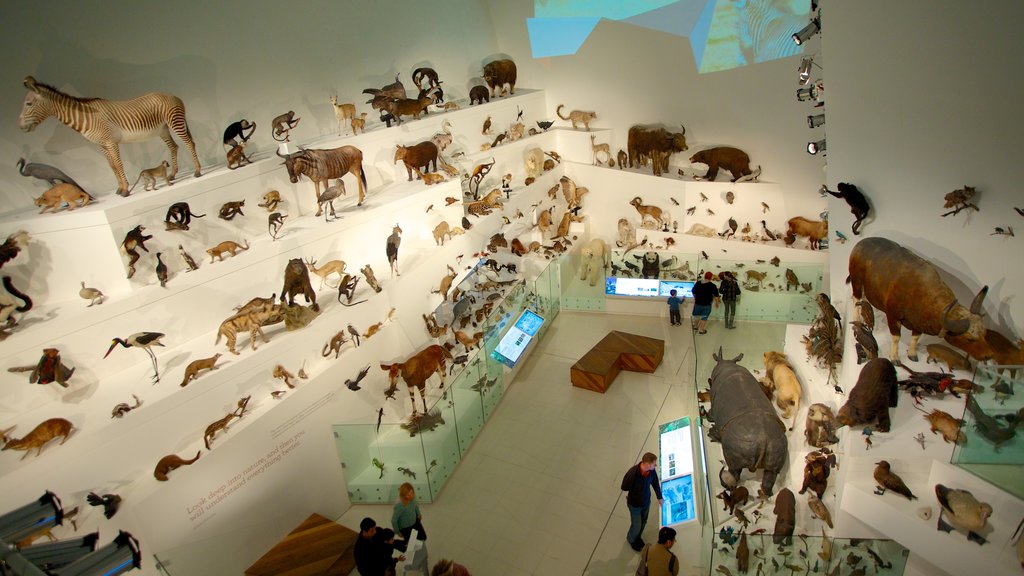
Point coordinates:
pixel 594 260
pixel 745 422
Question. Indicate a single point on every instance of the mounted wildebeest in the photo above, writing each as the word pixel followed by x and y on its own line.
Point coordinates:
pixel 751 433
pixel 910 292
pixel 322 165
pixel 656 144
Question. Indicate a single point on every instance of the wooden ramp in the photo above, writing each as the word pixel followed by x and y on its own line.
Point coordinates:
pixel 615 352
pixel 318 547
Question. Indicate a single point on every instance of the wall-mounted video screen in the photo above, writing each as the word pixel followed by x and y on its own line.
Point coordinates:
pixel 518 337
pixel 630 286
pixel 676 461
pixel 683 289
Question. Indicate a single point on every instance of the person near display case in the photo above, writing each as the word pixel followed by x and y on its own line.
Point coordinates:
pixel 637 482
pixel 406 515
pixel 658 558
pixel 729 288
pixel 372 554
pixel 704 293
pixel 674 302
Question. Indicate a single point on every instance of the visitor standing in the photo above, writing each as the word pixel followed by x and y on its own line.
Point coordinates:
pixel 658 558
pixel 406 515
pixel 674 318
pixel 638 482
pixel 730 290
pixel 704 293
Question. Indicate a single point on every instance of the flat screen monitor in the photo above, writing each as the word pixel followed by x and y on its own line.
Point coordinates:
pixel 676 469
pixel 683 289
pixel 631 286
pixel 518 337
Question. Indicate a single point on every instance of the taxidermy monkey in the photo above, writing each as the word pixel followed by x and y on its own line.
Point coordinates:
pixel 149 176
pixel 189 261
pixel 231 209
pixel 282 124
pixel 237 130
pixel 855 199
pixel 270 200
pixel 236 156
pixel 135 238
pixel 179 216
pixel 274 223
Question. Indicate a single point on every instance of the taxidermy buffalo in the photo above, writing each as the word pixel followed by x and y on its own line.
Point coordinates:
pixel 908 289
pixel 656 144
pixel 751 434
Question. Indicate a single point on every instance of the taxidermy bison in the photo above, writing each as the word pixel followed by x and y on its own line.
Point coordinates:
pixel 734 160
pixel 499 73
pixel 910 292
pixel 751 434
pixel 875 392
pixel 656 144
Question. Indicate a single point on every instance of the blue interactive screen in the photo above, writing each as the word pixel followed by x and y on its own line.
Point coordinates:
pixel 683 289
pixel 676 468
pixel 631 286
pixel 518 337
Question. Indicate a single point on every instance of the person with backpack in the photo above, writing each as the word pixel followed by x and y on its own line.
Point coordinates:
pixel 658 559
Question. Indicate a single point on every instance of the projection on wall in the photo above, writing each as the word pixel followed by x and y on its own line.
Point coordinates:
pixel 723 34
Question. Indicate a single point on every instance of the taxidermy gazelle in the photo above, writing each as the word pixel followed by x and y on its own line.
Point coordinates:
pixel 328 268
pixel 345 113
pixel 598 148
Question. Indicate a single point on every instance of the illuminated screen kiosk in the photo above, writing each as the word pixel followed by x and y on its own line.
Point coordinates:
pixel 646 287
pixel 676 472
pixel 518 337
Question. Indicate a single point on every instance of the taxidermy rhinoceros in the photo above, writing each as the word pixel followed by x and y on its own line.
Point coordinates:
pixel 745 422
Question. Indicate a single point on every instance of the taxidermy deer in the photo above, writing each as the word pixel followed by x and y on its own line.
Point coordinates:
pixel 38 437
pixel 598 148
pixel 343 112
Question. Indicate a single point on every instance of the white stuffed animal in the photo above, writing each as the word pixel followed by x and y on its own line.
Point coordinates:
pixel 533 158
pixel 594 258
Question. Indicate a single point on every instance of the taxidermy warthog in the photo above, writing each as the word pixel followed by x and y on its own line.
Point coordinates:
pixel 910 292
pixel 751 433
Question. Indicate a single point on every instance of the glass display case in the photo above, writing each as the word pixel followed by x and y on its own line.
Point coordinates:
pixel 805 554
pixel 994 450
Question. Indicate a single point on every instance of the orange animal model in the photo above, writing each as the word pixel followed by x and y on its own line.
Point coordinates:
pixel 38 437
pixel 416 369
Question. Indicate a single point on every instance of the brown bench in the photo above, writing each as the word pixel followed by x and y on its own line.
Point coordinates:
pixel 615 352
pixel 318 547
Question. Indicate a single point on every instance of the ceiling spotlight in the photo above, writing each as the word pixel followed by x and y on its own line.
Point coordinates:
pixel 815 147
pixel 806 32
pixel 815 120
pixel 805 69
pixel 808 93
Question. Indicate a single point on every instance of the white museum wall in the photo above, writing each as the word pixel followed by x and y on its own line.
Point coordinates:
pixel 925 105
pixel 226 61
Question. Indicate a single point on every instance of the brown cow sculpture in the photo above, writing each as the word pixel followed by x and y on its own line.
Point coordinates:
pixel 322 165
pixel 416 369
pixel 417 157
pixel 656 144
pixel 910 292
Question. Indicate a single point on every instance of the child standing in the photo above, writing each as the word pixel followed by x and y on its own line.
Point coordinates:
pixel 674 301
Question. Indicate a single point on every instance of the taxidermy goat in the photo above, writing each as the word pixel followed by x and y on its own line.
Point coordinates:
pixel 855 199
pixel 577 117
pixel 647 211
pixel 48 369
pixel 149 177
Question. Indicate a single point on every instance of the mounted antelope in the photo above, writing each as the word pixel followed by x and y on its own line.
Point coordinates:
pixel 417 369
pixel 110 122
pixel 322 165
pixel 38 437
pixel 344 113
pixel 330 267
pixel 599 148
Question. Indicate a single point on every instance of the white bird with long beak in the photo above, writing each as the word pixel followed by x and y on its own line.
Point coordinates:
pixel 143 340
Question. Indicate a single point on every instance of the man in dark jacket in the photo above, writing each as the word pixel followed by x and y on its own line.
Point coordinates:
pixel 637 483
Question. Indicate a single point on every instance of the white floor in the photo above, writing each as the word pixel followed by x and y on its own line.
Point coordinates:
pixel 538 492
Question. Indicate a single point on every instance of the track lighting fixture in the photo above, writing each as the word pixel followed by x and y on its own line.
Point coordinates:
pixel 808 93
pixel 815 120
pixel 815 147
pixel 804 70
pixel 806 32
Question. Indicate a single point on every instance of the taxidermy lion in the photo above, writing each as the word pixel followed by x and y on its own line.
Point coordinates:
pixel 63 193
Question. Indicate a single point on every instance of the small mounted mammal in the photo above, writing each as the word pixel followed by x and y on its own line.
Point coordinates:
pixel 296 281
pixel 429 75
pixel 335 344
pixel 478 95
pixel 123 408
pixel 814 230
pixel 270 200
pixel 577 117
pixel 193 368
pixel 281 125
pixel 149 177
pixel 39 436
pixel 344 112
pixel 171 462
pixel 231 209
pixel 63 193
pixel 275 222
pixel 237 130
pixel 226 246
pixel 371 278
pixel 135 238
pixel 179 216
pixel 236 156
pixel 855 200
pixel 359 124
pixel 499 73
pixel 647 211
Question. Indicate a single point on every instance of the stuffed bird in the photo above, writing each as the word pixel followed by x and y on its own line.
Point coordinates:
pixel 889 480
pixel 962 511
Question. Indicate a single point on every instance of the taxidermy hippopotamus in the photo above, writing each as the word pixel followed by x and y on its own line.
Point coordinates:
pixel 751 433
